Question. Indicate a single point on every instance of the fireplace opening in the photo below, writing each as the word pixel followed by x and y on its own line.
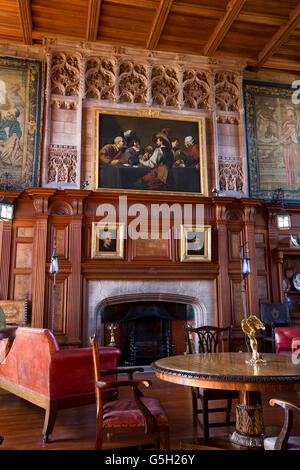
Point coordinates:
pixel 146 331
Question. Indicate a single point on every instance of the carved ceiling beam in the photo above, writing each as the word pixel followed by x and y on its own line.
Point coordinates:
pixel 158 24
pixel 26 21
pixel 93 20
pixel 218 13
pixel 278 38
pixel 232 11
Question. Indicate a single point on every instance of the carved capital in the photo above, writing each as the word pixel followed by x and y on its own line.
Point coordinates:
pixel 40 198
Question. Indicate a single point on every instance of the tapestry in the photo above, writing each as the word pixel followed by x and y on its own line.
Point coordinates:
pixel 20 121
pixel 273 140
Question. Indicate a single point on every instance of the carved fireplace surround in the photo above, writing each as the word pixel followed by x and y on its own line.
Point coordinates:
pixel 199 294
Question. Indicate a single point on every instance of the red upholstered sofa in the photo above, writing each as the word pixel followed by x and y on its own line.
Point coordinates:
pixel 284 337
pixel 38 371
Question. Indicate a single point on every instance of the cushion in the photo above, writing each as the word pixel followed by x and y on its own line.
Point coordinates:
pixel 293 443
pixel 125 413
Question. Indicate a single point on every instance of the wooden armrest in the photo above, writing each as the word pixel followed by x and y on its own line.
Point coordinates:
pixel 124 383
pixel 125 370
pixel 282 440
pixel 285 405
pixel 149 420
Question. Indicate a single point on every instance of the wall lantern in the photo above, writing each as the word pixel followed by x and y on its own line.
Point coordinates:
pixel 246 263
pixel 54 269
pixel 6 207
pixel 283 218
pixel 245 272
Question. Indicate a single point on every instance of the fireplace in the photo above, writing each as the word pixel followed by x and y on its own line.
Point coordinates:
pixel 116 303
pixel 146 331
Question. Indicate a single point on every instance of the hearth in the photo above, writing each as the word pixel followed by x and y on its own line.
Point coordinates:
pixel 108 303
pixel 144 330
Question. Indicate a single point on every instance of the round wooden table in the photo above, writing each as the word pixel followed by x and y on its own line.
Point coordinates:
pixel 229 371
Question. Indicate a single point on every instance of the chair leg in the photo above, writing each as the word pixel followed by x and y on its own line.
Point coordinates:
pixel 205 418
pixel 99 436
pixel 228 412
pixel 165 440
pixel 50 417
pixel 195 407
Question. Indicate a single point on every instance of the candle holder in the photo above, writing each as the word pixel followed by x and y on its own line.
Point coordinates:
pixel 112 327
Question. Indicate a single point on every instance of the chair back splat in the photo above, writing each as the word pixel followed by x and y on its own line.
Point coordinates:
pixel 209 341
pixel 209 338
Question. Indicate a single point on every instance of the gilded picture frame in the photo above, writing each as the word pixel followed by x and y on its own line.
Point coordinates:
pixel 107 240
pixel 195 243
pixel 178 166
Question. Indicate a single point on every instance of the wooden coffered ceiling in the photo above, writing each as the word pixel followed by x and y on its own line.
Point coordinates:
pixel 263 33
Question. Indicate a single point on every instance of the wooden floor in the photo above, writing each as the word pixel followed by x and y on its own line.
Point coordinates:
pixel 21 423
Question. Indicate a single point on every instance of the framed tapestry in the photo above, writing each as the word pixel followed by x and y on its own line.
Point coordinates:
pixel 20 120
pixel 107 240
pixel 195 243
pixel 149 150
pixel 273 140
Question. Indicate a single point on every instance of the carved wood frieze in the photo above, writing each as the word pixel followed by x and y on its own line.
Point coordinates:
pixel 133 82
pixel 230 174
pixel 227 91
pixel 196 89
pixel 165 86
pixel 100 78
pixel 62 163
pixel 65 74
pixel 119 79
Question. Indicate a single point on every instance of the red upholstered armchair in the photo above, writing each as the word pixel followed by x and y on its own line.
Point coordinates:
pixel 38 371
pixel 284 337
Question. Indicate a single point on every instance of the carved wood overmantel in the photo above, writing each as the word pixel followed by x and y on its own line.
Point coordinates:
pixel 81 76
pixel 45 214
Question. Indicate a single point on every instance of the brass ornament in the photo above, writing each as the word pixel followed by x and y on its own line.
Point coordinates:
pixel 112 327
pixel 249 327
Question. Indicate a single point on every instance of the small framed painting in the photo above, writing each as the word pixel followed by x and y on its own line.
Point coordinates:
pixel 107 240
pixel 195 243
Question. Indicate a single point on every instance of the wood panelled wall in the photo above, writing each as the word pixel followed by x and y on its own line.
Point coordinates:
pixel 43 215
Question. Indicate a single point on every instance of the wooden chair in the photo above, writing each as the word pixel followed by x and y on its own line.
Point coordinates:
pixel 127 415
pixel 209 337
pixel 284 441
pixel 273 315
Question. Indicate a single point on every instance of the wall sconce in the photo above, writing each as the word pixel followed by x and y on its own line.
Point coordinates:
pixel 283 218
pixel 6 207
pixel 54 269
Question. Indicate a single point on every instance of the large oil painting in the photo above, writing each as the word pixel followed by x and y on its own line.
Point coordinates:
pixel 148 150
pixel 273 140
pixel 20 120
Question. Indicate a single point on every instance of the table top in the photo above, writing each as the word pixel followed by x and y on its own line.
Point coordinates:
pixel 230 371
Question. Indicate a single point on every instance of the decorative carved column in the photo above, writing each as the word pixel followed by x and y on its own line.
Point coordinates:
pixel 223 285
pixel 74 311
pixel 47 119
pixel 5 239
pixel 5 247
pixel 40 202
pixel 249 234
